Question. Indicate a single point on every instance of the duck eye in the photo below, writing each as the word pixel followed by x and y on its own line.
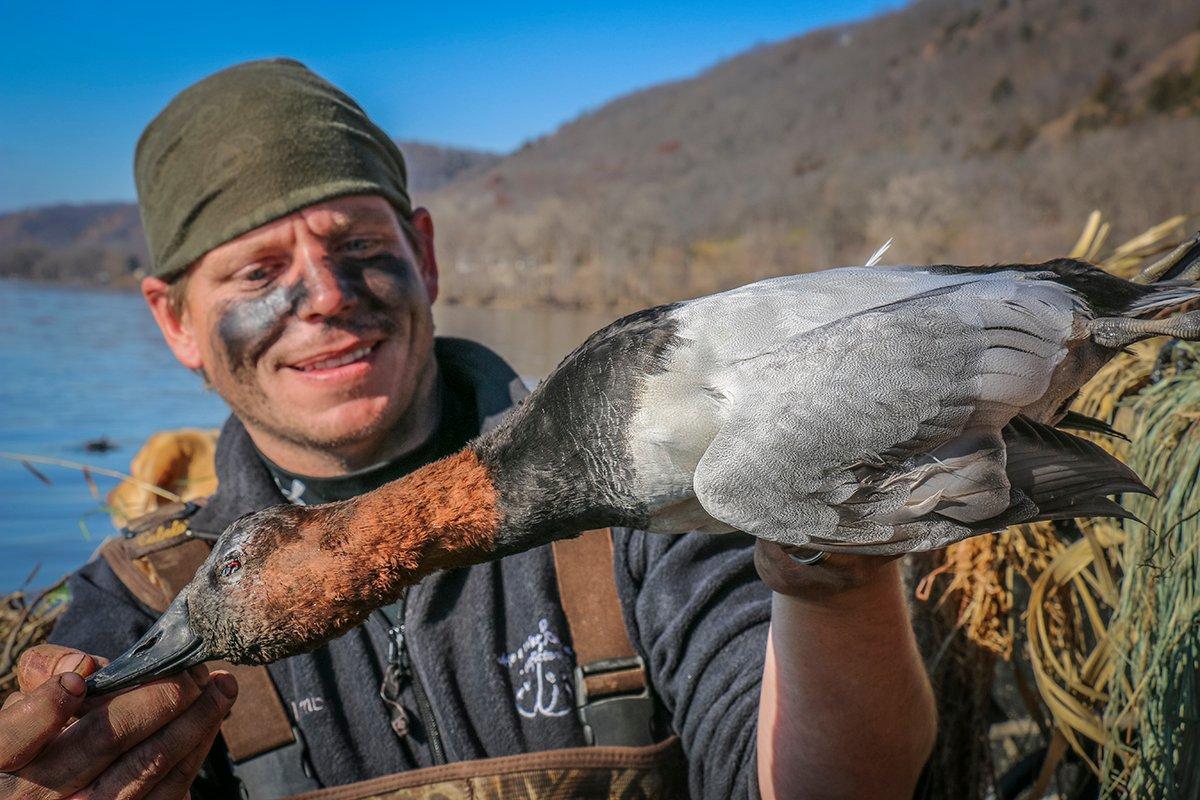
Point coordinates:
pixel 230 566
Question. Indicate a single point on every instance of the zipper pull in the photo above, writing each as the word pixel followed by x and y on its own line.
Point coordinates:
pixel 394 678
pixel 398 718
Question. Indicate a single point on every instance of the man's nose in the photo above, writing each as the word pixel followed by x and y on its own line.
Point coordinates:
pixel 327 293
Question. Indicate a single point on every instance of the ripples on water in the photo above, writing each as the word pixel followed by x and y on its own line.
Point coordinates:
pixel 80 364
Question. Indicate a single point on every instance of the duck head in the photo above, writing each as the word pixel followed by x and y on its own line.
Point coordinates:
pixel 276 583
pixel 290 578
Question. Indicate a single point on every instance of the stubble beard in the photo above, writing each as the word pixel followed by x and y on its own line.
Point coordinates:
pixel 252 406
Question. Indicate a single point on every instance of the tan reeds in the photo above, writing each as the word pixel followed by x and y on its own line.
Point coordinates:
pixel 1086 626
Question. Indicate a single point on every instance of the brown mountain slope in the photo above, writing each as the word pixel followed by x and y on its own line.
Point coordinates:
pixel 102 243
pixel 969 130
pixel 934 124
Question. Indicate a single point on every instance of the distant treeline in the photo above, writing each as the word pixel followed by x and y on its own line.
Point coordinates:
pixel 102 244
pixel 91 265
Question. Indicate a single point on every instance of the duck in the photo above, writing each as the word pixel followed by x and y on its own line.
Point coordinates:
pixel 867 409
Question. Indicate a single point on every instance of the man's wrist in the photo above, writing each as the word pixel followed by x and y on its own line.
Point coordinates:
pixel 841 581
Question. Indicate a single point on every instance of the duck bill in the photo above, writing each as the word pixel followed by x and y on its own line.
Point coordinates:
pixel 169 646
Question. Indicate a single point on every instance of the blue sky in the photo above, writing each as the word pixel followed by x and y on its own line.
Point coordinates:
pixel 78 81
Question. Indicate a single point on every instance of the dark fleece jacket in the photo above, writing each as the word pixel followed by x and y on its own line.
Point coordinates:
pixel 694 606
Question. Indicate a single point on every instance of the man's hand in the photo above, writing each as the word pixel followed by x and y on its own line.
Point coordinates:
pixel 823 581
pixel 145 744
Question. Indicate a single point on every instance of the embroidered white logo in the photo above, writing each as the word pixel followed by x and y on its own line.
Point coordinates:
pixel 541 670
pixel 308 705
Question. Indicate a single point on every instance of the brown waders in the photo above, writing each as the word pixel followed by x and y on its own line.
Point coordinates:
pixel 158 556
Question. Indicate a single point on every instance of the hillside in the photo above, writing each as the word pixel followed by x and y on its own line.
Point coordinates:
pixel 969 130
pixel 102 243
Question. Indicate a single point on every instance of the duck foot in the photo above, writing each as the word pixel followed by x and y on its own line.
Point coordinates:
pixel 1182 263
pixel 1117 332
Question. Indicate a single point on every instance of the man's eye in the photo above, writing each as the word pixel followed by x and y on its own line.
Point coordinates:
pixel 357 245
pixel 259 273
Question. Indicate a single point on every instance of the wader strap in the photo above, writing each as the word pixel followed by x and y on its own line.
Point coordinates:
pixel 155 566
pixel 611 689
pixel 656 772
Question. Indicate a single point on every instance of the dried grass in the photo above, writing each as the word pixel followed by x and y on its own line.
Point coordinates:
pixel 1114 650
pixel 25 620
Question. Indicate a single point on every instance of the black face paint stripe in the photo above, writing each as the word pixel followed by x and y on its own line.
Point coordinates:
pixel 248 328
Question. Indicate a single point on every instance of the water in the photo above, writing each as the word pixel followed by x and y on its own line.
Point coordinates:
pixel 80 364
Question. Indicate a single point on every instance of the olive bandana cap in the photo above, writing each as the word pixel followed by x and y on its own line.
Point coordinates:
pixel 251 144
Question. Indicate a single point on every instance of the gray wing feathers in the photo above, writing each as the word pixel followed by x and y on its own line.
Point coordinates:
pixel 779 467
pixel 850 452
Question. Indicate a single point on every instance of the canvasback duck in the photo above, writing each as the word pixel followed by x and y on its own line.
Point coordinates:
pixel 862 410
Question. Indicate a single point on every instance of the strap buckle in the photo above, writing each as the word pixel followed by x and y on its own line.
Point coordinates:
pixel 612 699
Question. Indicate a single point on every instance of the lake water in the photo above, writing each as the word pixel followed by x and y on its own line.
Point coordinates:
pixel 81 364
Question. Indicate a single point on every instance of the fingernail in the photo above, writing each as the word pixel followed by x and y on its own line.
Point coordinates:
pixel 227 684
pixel 69 663
pixel 32 661
pixel 72 683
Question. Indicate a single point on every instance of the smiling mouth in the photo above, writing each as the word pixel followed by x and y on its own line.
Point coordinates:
pixel 335 361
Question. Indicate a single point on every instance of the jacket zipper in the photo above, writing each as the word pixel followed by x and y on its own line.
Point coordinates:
pixel 401 669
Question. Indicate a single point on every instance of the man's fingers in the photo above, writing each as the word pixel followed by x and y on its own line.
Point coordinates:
pixel 27 726
pixel 169 759
pixel 104 734
pixel 14 697
pixel 39 663
pixel 177 783
pixel 199 674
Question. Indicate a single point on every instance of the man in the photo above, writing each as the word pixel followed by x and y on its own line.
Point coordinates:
pixel 293 273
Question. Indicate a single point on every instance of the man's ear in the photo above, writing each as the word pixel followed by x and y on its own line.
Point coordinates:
pixel 175 326
pixel 426 256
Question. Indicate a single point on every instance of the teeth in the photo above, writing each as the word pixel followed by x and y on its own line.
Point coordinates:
pixel 340 361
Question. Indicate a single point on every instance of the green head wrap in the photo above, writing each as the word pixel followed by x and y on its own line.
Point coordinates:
pixel 251 144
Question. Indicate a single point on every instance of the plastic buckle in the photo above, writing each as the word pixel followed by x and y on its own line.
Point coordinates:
pixel 623 719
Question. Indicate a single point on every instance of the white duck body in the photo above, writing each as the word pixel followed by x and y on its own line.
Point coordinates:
pixel 868 409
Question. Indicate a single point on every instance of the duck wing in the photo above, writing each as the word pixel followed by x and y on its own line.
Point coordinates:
pixel 883 430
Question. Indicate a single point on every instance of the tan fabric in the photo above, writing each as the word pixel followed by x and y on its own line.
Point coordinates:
pixel 180 461
pixel 654 773
pixel 588 592
pixel 626 681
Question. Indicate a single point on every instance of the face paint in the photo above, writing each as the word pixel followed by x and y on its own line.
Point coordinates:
pixel 258 343
pixel 248 328
pixel 382 286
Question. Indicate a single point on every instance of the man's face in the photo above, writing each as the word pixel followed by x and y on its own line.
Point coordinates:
pixel 315 328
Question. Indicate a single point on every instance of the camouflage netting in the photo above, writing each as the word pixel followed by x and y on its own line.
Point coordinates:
pixel 1151 721
pixel 1109 610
